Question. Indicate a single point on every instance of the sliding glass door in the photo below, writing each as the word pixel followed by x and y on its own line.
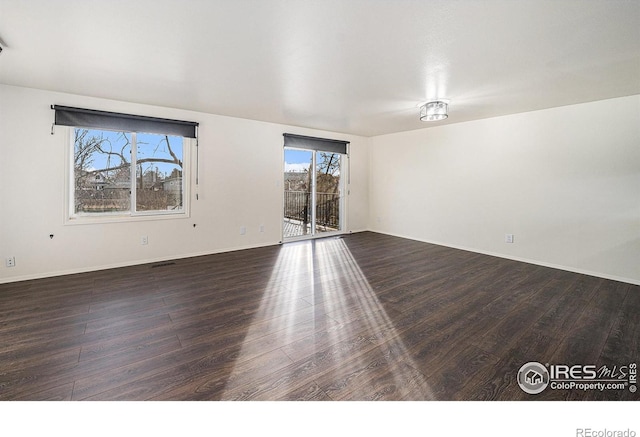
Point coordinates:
pixel 328 192
pixel 313 200
pixel 298 183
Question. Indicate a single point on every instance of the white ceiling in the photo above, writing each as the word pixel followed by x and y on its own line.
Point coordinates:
pixel 352 66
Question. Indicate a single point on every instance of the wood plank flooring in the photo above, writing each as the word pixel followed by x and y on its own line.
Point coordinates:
pixel 362 317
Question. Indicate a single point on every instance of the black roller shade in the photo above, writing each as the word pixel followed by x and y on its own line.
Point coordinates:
pixel 313 143
pixel 90 118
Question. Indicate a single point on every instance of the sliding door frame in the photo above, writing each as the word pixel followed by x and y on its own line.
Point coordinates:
pixel 342 189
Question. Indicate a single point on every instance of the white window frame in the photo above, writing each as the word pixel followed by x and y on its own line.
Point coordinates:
pixel 71 218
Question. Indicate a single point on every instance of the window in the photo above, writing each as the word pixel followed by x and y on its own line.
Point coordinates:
pixel 117 173
pixel 125 165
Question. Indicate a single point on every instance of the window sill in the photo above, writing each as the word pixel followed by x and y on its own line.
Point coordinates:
pixel 120 218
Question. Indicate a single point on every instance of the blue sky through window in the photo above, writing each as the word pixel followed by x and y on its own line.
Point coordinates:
pixel 148 146
pixel 297 160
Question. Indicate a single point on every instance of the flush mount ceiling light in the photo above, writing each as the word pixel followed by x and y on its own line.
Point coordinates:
pixel 434 111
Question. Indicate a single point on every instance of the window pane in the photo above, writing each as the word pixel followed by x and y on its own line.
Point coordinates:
pixel 159 173
pixel 102 171
pixel 297 192
pixel 327 191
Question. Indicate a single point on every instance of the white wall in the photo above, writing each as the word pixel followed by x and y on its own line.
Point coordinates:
pixel 240 185
pixel 564 181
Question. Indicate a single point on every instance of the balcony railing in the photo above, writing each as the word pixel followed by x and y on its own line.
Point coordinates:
pixel 297 208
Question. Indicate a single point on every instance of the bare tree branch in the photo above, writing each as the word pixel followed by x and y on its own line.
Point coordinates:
pixel 175 158
pixel 139 161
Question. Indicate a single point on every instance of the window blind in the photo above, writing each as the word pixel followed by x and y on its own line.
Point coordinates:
pixel 313 143
pixel 91 118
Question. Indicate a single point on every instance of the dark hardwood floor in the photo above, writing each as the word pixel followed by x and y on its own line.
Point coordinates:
pixel 363 317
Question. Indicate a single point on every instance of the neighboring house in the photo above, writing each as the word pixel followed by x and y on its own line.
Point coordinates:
pixel 172 185
pixel 296 181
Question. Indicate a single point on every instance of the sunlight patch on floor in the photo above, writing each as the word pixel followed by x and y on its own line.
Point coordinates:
pixel 354 302
pixel 318 304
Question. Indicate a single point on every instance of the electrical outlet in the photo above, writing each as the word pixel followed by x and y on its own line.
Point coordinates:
pixel 508 238
pixel 144 240
pixel 11 261
pixel 261 228
pixel 243 230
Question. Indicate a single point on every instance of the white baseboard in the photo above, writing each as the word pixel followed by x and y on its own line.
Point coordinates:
pixel 126 264
pixel 520 259
pixel 233 249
